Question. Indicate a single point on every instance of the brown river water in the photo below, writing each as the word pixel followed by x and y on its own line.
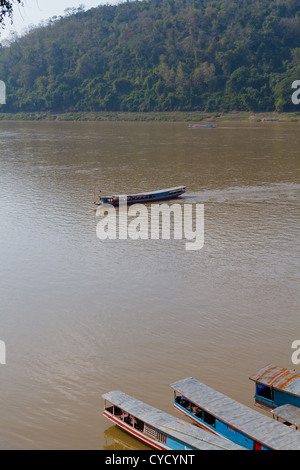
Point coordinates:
pixel 81 316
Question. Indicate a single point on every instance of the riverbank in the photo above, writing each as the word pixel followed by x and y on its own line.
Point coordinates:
pixel 195 116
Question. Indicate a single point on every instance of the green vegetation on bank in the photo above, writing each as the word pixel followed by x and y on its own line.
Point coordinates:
pixel 156 56
pixel 176 116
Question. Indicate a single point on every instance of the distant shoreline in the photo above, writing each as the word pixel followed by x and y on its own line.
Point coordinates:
pixel 180 116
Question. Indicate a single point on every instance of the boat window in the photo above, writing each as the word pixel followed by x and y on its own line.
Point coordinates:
pixel 139 425
pixel 264 391
pixel 209 419
pixel 117 411
pixel 197 411
pixel 183 402
pixel 128 419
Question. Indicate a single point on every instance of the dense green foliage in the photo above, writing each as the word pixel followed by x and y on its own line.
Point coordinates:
pixel 158 55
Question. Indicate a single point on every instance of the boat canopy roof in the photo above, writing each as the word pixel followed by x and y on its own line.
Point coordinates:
pixel 279 378
pixel 177 188
pixel 169 424
pixel 256 425
pixel 289 413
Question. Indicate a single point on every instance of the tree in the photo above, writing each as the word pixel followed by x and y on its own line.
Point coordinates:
pixel 6 9
pixel 157 55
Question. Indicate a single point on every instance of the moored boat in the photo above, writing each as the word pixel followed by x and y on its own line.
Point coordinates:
pixel 226 417
pixel 158 429
pixel 151 196
pixel 276 386
pixel 197 126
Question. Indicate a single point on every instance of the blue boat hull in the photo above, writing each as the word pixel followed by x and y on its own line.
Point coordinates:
pixel 141 198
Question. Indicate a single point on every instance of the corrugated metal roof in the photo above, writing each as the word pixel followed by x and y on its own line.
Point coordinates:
pixel 164 422
pixel 289 413
pixel 279 378
pixel 256 425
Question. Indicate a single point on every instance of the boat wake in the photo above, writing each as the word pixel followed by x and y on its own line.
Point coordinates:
pixel 276 193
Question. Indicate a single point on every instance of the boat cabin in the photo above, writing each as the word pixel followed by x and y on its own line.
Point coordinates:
pixel 276 386
pixel 223 416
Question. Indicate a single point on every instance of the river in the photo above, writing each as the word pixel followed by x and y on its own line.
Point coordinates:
pixel 81 316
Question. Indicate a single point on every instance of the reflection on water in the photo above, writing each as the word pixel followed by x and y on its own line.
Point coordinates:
pixel 81 316
pixel 117 439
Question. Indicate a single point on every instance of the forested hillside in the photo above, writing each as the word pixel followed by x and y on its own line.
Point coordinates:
pixel 158 55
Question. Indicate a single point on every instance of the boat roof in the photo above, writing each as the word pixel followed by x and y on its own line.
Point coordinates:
pixel 256 425
pixel 279 378
pixel 289 413
pixel 178 188
pixel 168 424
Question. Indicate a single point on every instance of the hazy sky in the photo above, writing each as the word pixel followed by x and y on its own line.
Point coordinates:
pixel 34 11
